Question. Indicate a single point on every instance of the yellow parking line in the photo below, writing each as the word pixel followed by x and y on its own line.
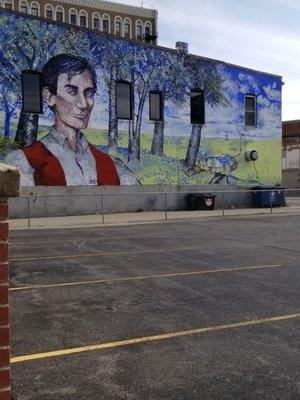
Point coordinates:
pixel 121 343
pixel 106 254
pixel 133 278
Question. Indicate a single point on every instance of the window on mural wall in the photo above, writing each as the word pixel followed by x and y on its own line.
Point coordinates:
pixel 31 92
pixel 156 106
pixel 124 100
pixel 197 107
pixel 250 110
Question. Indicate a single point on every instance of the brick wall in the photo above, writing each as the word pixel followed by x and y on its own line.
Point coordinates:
pixel 5 392
pixel 124 12
pixel 9 187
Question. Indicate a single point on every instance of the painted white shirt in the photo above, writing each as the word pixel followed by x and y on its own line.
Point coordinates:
pixel 79 167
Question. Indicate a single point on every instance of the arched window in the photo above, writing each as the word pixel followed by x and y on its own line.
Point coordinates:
pixel 105 24
pixel 83 18
pixel 96 21
pixel 59 14
pixel 73 16
pixel 49 11
pixel 139 30
pixel 34 9
pixel 127 28
pixel 23 7
pixel 118 26
pixel 9 4
pixel 148 28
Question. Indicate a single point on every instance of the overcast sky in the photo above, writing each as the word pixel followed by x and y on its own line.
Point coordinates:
pixel 259 34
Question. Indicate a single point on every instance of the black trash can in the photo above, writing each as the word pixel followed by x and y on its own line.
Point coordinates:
pixel 200 201
pixel 267 196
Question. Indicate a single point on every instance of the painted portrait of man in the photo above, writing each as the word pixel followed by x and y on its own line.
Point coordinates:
pixel 64 157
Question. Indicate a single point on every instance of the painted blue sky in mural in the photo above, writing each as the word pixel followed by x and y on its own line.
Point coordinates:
pixel 263 35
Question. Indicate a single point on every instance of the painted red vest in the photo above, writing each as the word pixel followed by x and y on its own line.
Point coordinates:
pixel 49 172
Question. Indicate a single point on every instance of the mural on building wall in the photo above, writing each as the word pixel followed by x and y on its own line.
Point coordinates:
pixel 82 66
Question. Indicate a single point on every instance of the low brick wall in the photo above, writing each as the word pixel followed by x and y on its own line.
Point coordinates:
pixel 9 187
pixel 291 178
pixel 4 306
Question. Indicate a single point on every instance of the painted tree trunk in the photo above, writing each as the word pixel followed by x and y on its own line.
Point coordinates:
pixel 130 136
pixel 158 138
pixel 6 128
pixel 132 122
pixel 113 134
pixel 135 153
pixel 194 145
pixel 27 130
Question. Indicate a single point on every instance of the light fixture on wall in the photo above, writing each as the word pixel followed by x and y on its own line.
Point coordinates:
pixel 252 155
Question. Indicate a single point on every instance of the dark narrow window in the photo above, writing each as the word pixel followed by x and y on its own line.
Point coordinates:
pixel 82 20
pixel 124 100
pixel 23 8
pixel 8 5
pixel 34 10
pixel 73 18
pixel 118 28
pixel 49 13
pixel 59 16
pixel 250 110
pixel 127 30
pixel 156 106
pixel 197 107
pixel 139 31
pixel 105 25
pixel 31 92
pixel 96 23
pixel 147 34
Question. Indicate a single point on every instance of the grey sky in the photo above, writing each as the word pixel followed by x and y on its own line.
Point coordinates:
pixel 260 34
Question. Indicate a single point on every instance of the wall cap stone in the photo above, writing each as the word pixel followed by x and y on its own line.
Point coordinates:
pixel 9 181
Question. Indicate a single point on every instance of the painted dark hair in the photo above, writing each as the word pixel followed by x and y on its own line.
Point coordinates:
pixel 65 64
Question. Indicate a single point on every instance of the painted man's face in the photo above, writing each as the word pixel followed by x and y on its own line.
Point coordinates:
pixel 74 100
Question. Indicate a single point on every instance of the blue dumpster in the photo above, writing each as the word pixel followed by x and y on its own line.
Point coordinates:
pixel 268 196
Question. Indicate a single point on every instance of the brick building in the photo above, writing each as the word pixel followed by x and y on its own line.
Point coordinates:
pixel 113 18
pixel 291 153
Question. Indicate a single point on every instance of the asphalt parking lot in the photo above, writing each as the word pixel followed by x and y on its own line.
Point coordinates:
pixel 196 310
